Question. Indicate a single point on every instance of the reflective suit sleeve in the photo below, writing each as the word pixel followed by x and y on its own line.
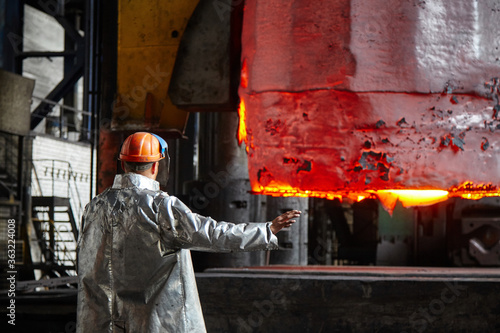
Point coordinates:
pixel 184 229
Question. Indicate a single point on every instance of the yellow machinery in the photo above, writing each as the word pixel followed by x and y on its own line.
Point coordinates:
pixel 149 34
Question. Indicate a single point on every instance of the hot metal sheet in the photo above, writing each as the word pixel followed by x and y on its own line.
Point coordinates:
pixel 351 95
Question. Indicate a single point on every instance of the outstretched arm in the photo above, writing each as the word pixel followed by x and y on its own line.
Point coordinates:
pixel 284 220
pixel 185 229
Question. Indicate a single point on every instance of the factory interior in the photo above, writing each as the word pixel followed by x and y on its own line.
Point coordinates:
pixel 378 119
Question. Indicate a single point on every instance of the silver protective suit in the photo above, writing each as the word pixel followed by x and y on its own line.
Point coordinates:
pixel 134 264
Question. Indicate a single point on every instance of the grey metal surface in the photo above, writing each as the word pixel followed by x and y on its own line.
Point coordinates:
pixel 15 101
pixel 203 75
pixel 223 189
pixel 350 299
pixel 228 199
pixel 485 256
pixel 481 234
pixel 292 241
pixel 134 263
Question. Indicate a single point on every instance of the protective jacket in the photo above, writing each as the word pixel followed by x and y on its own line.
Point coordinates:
pixel 134 264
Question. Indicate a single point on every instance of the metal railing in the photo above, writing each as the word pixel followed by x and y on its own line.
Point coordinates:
pixel 63 119
pixel 62 254
pixel 57 178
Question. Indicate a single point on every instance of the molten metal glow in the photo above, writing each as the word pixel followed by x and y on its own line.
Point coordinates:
pixel 387 197
pixel 288 191
pixel 242 128
pixel 474 192
pixel 410 198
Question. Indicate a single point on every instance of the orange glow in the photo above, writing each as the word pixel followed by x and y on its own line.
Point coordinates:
pixel 317 128
pixel 244 75
pixel 410 198
pixel 387 197
pixel 288 191
pixel 242 128
pixel 474 192
pixel 276 189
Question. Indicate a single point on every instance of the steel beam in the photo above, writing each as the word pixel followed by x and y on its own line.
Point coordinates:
pixel 11 35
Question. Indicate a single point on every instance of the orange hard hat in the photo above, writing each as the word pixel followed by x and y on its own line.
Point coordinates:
pixel 143 147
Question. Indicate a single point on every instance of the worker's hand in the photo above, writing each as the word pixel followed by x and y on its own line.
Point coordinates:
pixel 284 220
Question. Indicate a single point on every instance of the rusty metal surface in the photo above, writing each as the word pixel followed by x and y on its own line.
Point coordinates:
pixel 107 157
pixel 354 95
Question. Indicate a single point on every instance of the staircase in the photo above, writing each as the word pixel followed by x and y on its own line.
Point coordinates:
pixel 9 166
pixel 57 234
pixel 10 207
pixel 9 210
pixel 54 216
pixel 7 186
pixel 51 248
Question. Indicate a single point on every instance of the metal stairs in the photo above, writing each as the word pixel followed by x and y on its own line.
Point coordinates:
pixel 57 234
pixel 7 187
pixel 10 210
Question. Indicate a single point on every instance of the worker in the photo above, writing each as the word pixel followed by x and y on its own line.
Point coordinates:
pixel 134 264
